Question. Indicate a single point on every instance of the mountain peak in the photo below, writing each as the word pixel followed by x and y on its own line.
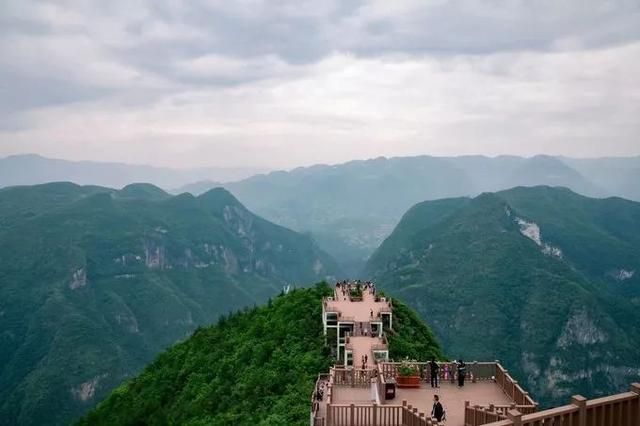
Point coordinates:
pixel 218 198
pixel 144 191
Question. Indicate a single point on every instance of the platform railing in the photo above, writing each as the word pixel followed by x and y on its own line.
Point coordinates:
pixel 617 410
pixel 378 415
pixel 353 377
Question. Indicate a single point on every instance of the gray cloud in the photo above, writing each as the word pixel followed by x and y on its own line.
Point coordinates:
pixel 214 81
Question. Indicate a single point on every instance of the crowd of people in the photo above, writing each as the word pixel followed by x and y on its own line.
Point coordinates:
pixel 344 287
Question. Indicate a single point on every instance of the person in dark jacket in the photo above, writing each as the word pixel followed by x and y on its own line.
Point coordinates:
pixel 435 369
pixel 462 373
pixel 437 412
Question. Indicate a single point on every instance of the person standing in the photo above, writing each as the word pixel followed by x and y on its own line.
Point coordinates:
pixel 462 372
pixel 437 412
pixel 435 370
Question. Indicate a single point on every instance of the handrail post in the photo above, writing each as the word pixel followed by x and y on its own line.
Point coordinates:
pixel 635 388
pixel 515 416
pixel 353 412
pixel 580 402
pixel 374 417
pixel 475 372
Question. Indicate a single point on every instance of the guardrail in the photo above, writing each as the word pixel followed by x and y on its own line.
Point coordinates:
pixel 353 377
pixel 511 387
pixel 617 410
pixel 378 415
pixel 476 371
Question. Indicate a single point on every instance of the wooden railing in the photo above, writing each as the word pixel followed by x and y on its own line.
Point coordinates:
pixel 353 377
pixel 511 387
pixel 477 415
pixel 476 371
pixel 616 410
pixel 378 415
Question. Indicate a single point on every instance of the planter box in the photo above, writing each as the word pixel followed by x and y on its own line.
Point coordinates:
pixel 408 381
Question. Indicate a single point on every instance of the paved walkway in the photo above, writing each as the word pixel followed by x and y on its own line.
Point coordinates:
pixel 362 346
pixel 359 311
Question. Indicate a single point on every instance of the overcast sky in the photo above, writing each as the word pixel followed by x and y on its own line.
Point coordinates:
pixel 286 83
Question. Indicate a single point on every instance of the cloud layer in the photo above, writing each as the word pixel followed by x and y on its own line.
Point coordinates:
pixel 281 84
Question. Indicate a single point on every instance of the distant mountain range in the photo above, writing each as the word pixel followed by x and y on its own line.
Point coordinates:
pixel 542 278
pixel 351 208
pixel 95 282
pixel 33 169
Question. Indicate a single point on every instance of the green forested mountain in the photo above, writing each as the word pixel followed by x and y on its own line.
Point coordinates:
pixel 95 282
pixel 542 278
pixel 256 367
pixel 351 208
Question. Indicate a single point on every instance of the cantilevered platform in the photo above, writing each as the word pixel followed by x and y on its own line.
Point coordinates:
pixel 360 311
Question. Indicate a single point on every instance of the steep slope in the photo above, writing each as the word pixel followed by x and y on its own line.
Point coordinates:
pixel 511 275
pixel 253 368
pixel 95 282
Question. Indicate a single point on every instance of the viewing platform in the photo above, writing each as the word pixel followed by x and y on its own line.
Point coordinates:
pixel 365 388
pixel 489 394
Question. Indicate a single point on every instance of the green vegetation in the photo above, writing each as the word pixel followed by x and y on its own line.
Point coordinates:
pixel 410 336
pixel 256 367
pixel 96 282
pixel 563 322
pixel 350 208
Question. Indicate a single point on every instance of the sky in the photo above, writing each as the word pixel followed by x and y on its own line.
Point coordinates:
pixel 280 84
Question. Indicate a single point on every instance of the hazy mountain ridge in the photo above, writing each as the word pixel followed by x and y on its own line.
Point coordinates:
pixel 350 208
pixel 34 169
pixel 96 281
pixel 531 276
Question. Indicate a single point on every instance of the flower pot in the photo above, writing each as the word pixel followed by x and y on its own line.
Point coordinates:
pixel 408 381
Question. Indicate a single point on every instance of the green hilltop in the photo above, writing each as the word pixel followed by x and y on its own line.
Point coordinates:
pixel 546 280
pixel 96 282
pixel 255 367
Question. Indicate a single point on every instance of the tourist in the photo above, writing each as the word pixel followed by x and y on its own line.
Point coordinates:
pixel 437 412
pixel 462 372
pixel 371 313
pixel 434 372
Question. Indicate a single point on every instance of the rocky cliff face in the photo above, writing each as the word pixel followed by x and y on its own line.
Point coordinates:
pixel 524 276
pixel 102 280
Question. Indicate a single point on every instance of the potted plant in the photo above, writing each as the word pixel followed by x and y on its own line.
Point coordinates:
pixel 408 374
